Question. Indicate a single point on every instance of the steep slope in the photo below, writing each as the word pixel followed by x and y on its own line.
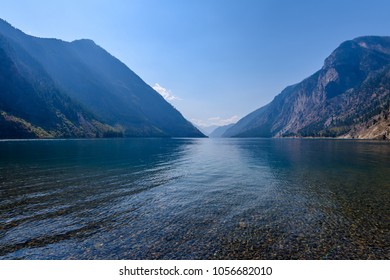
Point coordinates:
pixel 101 84
pixel 347 94
pixel 32 107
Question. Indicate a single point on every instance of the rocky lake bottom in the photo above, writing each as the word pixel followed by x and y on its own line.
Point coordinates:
pixel 194 199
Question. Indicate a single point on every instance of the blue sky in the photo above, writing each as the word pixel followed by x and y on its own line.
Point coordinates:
pixel 215 60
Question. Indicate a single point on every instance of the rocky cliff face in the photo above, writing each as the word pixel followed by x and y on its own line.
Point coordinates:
pixel 343 99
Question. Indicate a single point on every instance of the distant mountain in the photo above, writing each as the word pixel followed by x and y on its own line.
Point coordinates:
pixel 206 130
pixel 220 130
pixel 349 97
pixel 52 88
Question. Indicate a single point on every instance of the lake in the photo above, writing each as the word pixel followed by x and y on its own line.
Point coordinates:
pixel 194 199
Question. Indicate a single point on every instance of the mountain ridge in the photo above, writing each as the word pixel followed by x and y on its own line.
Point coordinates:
pixel 348 92
pixel 97 84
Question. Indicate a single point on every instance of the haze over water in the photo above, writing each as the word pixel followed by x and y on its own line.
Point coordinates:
pixel 194 199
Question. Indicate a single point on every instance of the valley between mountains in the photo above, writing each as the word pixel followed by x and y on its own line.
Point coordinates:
pixel 55 89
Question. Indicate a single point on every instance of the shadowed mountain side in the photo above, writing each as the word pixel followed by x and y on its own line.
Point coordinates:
pixel 94 83
pixel 32 107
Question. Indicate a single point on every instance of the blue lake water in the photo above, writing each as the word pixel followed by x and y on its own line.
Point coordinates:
pixel 194 199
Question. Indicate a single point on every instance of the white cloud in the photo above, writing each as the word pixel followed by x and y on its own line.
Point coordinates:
pixel 199 122
pixel 166 93
pixel 220 121
pixel 215 121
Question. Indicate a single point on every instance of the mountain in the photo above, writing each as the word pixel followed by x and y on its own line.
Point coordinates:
pixel 220 130
pixel 348 97
pixel 52 88
pixel 206 130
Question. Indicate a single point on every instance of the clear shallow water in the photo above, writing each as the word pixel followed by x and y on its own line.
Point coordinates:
pixel 194 199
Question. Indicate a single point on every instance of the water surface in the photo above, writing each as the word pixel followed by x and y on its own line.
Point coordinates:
pixel 194 199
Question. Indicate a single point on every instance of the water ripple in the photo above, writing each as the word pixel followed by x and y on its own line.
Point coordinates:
pixel 194 199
